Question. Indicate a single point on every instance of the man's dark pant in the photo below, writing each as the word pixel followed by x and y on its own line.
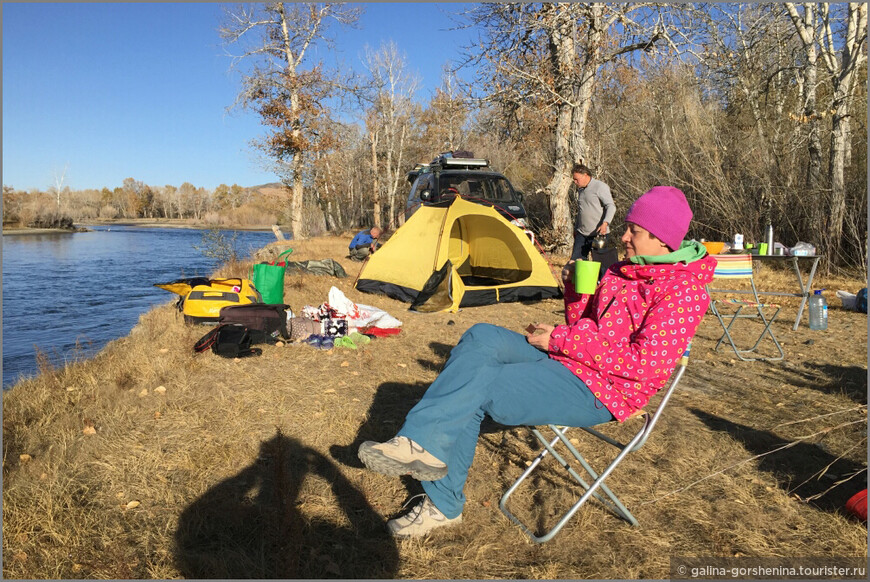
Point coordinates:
pixel 582 246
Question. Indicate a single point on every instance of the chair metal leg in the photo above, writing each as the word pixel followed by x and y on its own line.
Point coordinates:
pixel 766 331
pixel 611 501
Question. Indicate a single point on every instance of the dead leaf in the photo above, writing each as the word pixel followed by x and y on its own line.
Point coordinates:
pixel 44 476
pixel 354 399
pixel 261 410
pixel 143 393
pixel 402 365
pixel 345 364
pixel 160 389
pixel 25 458
pixel 163 350
pixel 89 430
pixel 70 388
pixel 77 567
pixel 19 557
pixel 486 503
pixel 132 505
pixel 329 391
pixel 354 373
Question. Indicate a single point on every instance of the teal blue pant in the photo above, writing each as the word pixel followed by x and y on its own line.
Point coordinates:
pixel 493 371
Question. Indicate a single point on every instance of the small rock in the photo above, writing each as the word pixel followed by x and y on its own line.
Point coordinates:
pixel 89 430
pixel 25 458
pixel 132 505
pixel 279 344
pixel 160 389
pixel 144 393
pixel 329 391
pixel 345 364
pixel 70 388
pixel 402 365
pixel 163 350
pixel 156 414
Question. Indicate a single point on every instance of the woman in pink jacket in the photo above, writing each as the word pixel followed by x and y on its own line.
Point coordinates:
pixel 617 348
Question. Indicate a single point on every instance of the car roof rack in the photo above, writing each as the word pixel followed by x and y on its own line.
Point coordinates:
pixel 460 160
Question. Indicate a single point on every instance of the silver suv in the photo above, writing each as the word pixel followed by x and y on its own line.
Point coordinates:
pixel 454 174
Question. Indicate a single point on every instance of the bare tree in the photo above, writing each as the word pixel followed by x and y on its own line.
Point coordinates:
pixel 281 84
pixel 58 185
pixel 549 56
pixel 390 91
pixel 836 36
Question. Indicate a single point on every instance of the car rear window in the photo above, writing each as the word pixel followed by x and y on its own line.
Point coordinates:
pixel 491 188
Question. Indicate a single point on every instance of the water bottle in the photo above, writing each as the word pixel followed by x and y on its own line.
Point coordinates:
pixel 768 238
pixel 818 311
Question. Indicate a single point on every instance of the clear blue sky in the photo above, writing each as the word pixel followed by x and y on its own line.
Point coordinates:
pixel 112 91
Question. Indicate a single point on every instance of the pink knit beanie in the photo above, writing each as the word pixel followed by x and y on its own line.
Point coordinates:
pixel 664 212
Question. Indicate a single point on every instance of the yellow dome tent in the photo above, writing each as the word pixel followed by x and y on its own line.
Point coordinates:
pixel 462 255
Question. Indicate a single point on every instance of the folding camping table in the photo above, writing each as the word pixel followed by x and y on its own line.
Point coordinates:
pixel 804 288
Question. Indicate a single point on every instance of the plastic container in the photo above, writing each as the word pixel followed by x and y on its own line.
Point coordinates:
pixel 818 311
pixel 857 505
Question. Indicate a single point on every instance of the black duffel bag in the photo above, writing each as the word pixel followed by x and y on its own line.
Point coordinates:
pixel 267 322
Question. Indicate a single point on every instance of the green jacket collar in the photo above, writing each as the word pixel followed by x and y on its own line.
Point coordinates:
pixel 688 252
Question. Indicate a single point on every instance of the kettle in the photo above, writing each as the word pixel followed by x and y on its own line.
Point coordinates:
pixel 599 242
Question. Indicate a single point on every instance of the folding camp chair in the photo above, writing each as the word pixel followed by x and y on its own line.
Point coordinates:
pixel 740 267
pixel 591 489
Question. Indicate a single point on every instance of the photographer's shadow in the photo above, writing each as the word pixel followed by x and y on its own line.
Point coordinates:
pixel 255 525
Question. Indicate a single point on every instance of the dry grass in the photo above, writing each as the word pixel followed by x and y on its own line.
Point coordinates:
pixel 248 468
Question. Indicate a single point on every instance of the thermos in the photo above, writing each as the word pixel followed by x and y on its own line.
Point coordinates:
pixel 818 311
pixel 768 238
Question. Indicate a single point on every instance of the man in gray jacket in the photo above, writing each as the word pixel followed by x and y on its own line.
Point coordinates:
pixel 595 210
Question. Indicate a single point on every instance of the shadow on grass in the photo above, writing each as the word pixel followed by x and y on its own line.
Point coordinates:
pixel 795 468
pixel 253 524
pixel 390 405
pixel 848 380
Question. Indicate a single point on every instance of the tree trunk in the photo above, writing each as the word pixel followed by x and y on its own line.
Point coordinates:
pixel 563 56
pixel 376 184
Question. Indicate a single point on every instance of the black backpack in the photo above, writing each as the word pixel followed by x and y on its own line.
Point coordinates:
pixel 228 340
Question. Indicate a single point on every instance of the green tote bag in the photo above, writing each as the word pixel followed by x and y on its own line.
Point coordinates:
pixel 268 278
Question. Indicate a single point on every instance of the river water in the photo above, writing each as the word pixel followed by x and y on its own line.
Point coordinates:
pixel 70 294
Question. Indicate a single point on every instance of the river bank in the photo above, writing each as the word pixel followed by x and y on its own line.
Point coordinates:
pixel 139 222
pixel 151 462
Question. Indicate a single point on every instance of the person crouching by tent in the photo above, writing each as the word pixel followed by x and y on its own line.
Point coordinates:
pixel 364 243
pixel 616 349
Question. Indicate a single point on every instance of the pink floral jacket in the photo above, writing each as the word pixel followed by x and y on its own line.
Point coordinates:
pixel 624 341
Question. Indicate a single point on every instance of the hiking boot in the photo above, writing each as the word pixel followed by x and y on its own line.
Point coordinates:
pixel 401 456
pixel 423 518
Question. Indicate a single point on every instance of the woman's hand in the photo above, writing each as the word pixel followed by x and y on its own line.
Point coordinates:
pixel 567 272
pixel 540 337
